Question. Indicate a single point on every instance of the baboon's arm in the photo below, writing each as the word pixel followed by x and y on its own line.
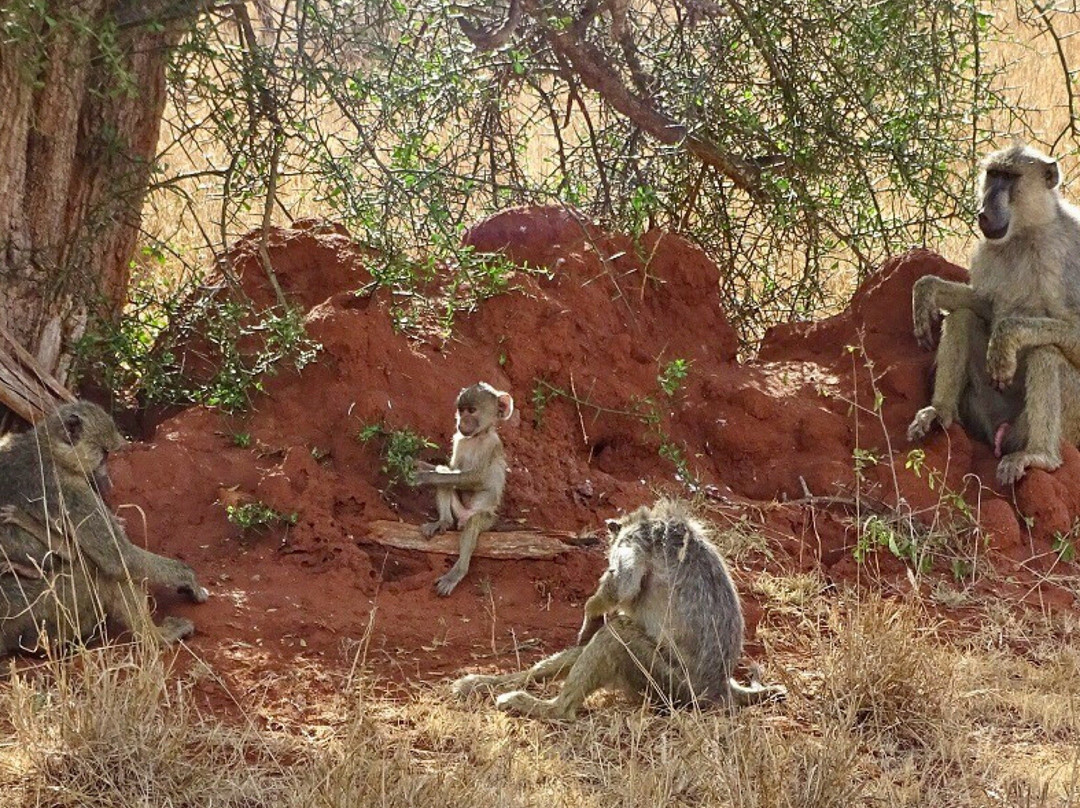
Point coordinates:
pixel 950 296
pixel 481 472
pixel 102 541
pixel 619 585
pixel 462 479
pixel 931 295
pixel 1014 334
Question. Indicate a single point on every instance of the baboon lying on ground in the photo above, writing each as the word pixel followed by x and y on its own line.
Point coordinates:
pixel 66 561
pixel 665 623
pixel 1007 363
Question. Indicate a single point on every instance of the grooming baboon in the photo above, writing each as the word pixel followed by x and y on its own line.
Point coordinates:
pixel 70 564
pixel 665 623
pixel 1007 364
pixel 468 491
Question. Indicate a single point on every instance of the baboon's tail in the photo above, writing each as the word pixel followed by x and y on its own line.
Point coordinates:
pixel 755 694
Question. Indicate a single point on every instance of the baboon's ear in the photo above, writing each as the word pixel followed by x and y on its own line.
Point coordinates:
pixel 613 526
pixel 506 404
pixel 73 427
pixel 1051 173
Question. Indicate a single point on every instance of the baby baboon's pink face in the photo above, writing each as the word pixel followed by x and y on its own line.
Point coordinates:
pixel 479 406
pixel 475 412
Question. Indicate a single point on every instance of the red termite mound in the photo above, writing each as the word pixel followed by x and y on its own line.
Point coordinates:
pixel 579 339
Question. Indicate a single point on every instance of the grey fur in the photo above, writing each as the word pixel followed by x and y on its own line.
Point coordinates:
pixel 664 623
pixel 65 561
pixel 1010 344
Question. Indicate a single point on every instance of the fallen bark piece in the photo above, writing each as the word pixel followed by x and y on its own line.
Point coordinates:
pixel 497 544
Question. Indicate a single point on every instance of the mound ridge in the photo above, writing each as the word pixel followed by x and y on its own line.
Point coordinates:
pixel 596 315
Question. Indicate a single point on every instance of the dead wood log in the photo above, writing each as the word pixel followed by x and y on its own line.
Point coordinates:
pixel 492 544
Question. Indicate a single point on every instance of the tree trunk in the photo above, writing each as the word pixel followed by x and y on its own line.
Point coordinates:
pixel 81 98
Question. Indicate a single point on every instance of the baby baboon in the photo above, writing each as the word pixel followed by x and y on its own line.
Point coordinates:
pixel 673 630
pixel 1008 361
pixel 54 523
pixel 469 490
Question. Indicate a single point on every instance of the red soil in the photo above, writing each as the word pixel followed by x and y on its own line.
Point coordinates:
pixel 612 313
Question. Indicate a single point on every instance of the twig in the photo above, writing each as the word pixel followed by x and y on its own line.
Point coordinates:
pixel 577 405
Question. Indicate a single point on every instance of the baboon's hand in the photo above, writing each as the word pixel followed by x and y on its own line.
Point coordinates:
pixel 195 592
pixel 428 477
pixel 924 311
pixel 1001 353
pixel 423 465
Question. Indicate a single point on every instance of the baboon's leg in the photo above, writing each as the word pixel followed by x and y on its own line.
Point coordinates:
pixel 550 668
pixel 476 524
pixel 620 656
pixel 960 329
pixel 1042 415
pixel 1070 404
pixel 444 499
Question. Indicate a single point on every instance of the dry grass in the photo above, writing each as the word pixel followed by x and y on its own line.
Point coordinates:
pixel 883 711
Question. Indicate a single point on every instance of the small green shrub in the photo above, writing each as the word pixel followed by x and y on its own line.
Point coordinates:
pixel 672 376
pixel 400 448
pixel 258 517
pixel 146 354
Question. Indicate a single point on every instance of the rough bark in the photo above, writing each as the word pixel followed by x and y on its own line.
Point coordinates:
pixel 82 98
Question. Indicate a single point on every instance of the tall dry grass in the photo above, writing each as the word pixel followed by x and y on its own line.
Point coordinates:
pixel 883 711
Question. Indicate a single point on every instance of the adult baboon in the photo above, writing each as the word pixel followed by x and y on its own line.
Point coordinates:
pixel 1007 363
pixel 468 491
pixel 69 563
pixel 665 623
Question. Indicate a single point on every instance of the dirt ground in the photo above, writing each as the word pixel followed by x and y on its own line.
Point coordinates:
pixel 820 413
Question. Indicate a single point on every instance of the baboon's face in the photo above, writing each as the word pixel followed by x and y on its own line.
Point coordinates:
pixel 479 406
pixel 997 191
pixel 83 436
pixel 476 410
pixel 1016 190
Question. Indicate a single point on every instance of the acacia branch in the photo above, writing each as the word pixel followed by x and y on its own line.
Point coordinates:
pixel 596 73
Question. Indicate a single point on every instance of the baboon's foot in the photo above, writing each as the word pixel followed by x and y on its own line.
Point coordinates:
pixel 445 585
pixel 521 703
pixel 175 628
pixel 1013 466
pixel 757 693
pixel 7 515
pixel 467 685
pixel 434 528
pixel 924 421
